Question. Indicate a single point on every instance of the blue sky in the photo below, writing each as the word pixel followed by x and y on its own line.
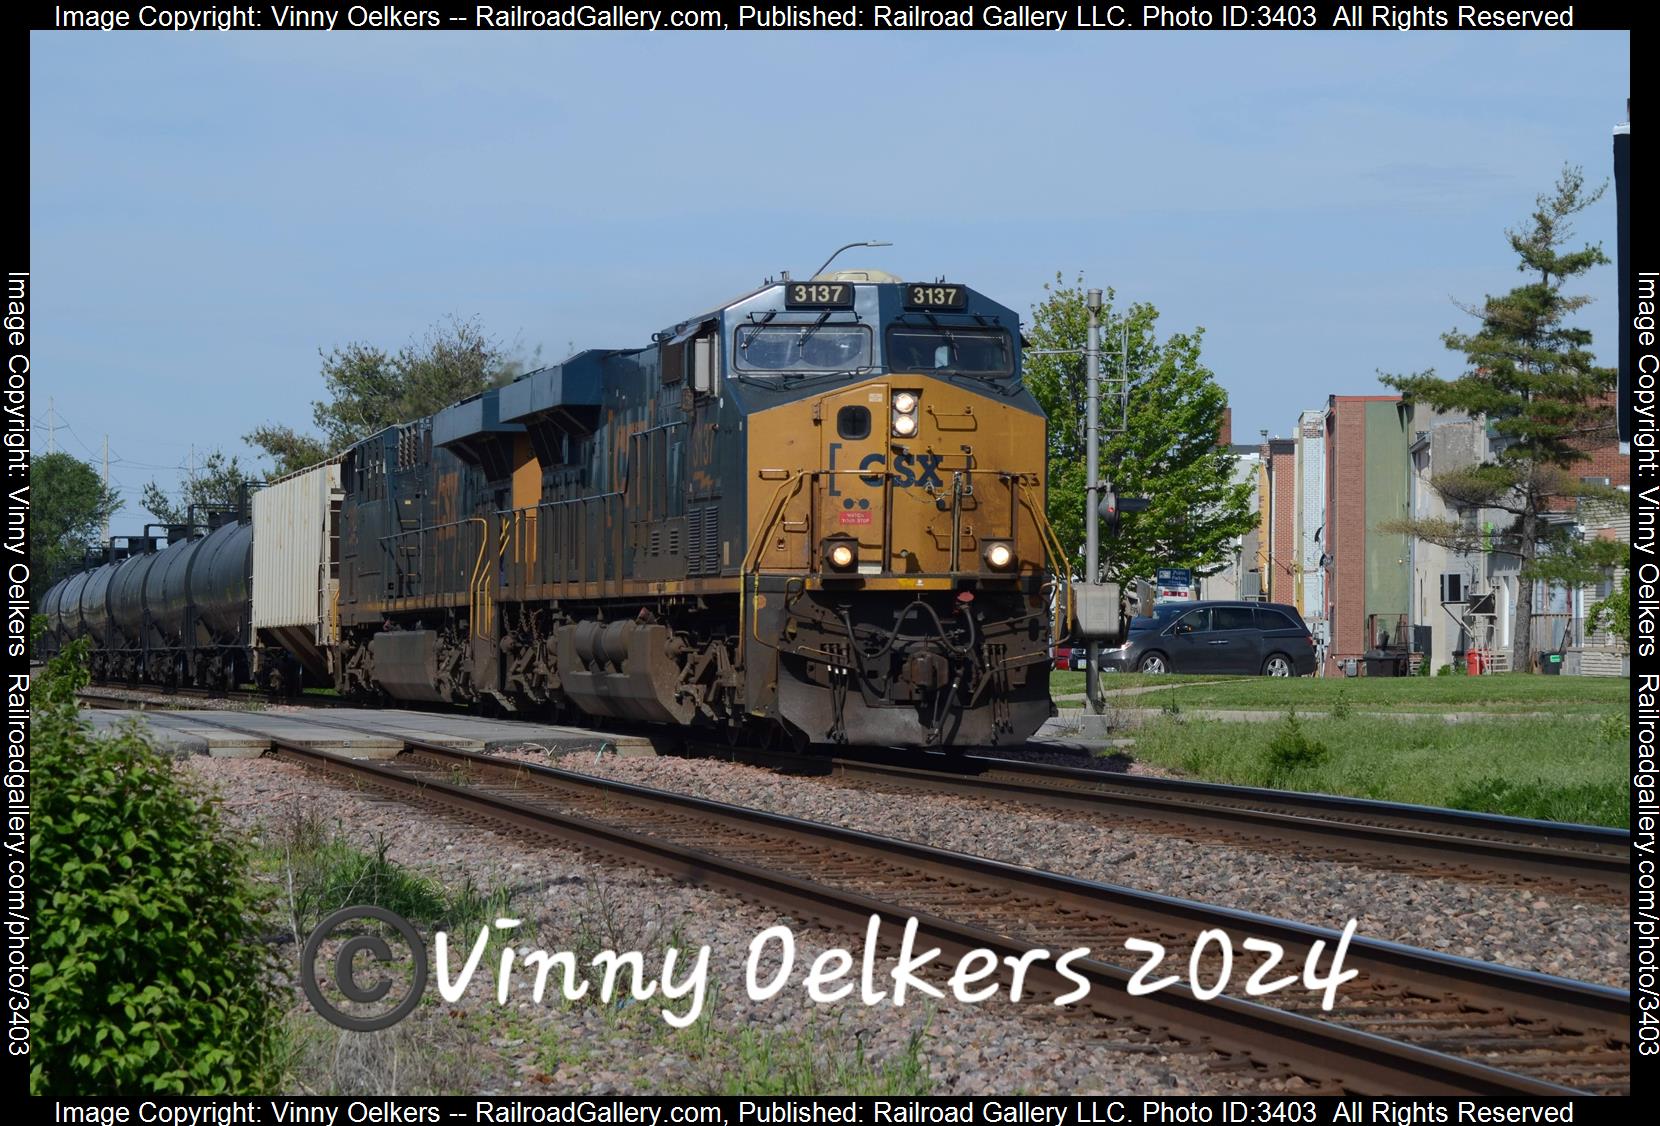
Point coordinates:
pixel 208 211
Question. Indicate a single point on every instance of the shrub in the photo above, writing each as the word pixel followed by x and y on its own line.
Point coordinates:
pixel 149 975
pixel 1291 750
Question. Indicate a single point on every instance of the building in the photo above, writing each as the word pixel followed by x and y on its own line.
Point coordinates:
pixel 1310 544
pixel 1368 572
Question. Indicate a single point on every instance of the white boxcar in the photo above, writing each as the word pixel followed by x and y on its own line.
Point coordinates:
pixel 296 577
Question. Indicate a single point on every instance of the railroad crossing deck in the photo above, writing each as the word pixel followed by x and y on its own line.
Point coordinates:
pixel 356 732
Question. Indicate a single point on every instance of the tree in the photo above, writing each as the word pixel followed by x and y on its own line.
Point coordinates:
pixel 69 504
pixel 220 483
pixel 1163 446
pixel 370 389
pixel 1532 376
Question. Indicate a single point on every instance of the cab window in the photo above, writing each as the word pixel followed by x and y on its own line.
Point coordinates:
pixel 977 351
pixel 1232 617
pixel 803 347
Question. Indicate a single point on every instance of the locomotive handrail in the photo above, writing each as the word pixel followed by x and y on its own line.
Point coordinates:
pixel 775 509
pixel 1057 560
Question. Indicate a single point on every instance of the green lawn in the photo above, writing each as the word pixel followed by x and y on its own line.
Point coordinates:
pixel 1556 769
pixel 1512 692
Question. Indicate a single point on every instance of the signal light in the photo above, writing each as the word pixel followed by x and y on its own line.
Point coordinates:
pixel 904 413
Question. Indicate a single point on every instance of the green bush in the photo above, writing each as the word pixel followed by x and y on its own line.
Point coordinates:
pixel 149 974
pixel 1290 750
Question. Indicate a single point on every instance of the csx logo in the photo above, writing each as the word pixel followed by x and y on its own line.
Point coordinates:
pixel 908 469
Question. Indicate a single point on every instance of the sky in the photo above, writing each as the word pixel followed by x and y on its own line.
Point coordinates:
pixel 209 212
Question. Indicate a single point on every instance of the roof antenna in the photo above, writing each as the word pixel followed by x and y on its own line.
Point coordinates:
pixel 832 258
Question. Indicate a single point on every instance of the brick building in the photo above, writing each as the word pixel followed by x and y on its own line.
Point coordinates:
pixel 1368 571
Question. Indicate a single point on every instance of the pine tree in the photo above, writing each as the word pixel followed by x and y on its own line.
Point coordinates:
pixel 1162 444
pixel 1533 377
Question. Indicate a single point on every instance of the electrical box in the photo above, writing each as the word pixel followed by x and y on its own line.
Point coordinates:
pixel 1100 615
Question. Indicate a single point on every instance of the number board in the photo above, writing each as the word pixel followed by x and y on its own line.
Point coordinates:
pixel 939 295
pixel 818 295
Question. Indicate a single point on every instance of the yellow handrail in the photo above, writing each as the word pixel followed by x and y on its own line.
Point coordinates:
pixel 1057 561
pixel 752 557
pixel 478 569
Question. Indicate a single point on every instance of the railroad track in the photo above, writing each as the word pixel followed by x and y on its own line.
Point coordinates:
pixel 1585 861
pixel 1412 1022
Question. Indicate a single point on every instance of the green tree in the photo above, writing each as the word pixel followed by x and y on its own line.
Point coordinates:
pixel 370 389
pixel 1162 444
pixel 1533 377
pixel 218 483
pixel 68 507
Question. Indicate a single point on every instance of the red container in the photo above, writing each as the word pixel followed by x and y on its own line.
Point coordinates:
pixel 1472 661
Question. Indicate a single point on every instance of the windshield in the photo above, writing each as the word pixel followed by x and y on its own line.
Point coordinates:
pixel 803 347
pixel 979 351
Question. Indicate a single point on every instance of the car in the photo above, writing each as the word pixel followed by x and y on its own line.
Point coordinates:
pixel 1071 657
pixel 1214 637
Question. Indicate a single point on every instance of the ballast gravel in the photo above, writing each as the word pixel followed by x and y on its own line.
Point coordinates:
pixel 570 900
pixel 1548 933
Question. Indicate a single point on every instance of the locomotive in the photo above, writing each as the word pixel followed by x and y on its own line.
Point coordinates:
pixel 815 511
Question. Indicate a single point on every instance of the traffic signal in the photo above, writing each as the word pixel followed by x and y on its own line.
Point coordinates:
pixel 1113 506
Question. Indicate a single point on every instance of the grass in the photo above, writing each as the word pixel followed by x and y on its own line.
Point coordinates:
pixel 822 1059
pixel 319 871
pixel 1557 769
pixel 1506 692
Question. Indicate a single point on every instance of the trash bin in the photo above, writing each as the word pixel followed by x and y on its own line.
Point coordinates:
pixel 1382 663
pixel 1550 664
pixel 1473 662
pixel 1351 667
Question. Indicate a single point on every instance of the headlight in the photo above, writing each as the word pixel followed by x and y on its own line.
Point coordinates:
pixel 841 555
pixel 999 556
pixel 904 413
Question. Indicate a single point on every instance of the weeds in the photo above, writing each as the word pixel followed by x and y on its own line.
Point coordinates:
pixel 822 1059
pixel 1291 751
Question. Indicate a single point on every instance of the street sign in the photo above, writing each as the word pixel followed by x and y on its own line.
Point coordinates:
pixel 1175 576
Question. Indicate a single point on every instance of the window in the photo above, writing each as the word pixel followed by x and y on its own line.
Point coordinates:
pixel 1275 619
pixel 978 351
pixel 1232 617
pixel 1196 622
pixel 803 347
pixel 1452 587
pixel 853 423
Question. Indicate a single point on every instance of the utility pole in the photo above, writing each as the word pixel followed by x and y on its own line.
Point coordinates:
pixel 1092 444
pixel 51 425
pixel 106 488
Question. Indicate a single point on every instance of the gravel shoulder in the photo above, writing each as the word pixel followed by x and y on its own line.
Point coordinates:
pixel 1550 934
pixel 570 900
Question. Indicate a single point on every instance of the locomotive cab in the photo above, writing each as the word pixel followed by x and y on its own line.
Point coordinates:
pixel 900 581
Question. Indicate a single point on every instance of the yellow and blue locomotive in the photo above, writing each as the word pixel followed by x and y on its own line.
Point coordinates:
pixel 818 508
pixel 816 511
